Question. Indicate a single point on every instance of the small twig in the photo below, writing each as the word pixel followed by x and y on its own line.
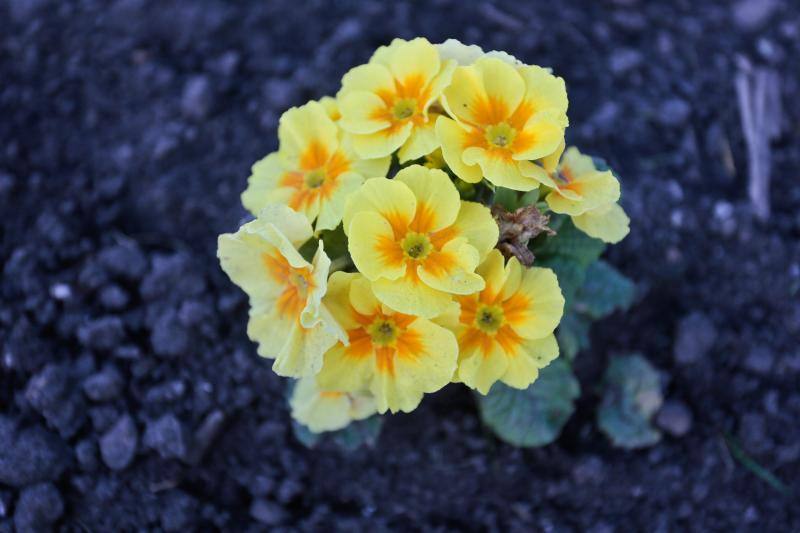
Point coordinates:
pixel 758 93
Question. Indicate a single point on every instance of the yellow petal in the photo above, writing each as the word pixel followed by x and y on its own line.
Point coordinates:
pixel 371 78
pixel 368 168
pixel 452 269
pixel 543 136
pixel 535 309
pixel 420 142
pixel 417 58
pixel 391 199
pixel 485 93
pixel 331 209
pixel 550 162
pixel 305 128
pixel 373 248
pixel 475 222
pixel 337 299
pixel 499 169
pixel 438 201
pixel 429 368
pixel 302 354
pixel 263 180
pixel 494 273
pixel 363 113
pixel 479 370
pixel 523 369
pixel 575 163
pixel 331 107
pixel 347 368
pixel 362 299
pixel 463 54
pixel 544 92
pixel 410 295
pixel 327 411
pixel 454 139
pixel 292 225
pixel 382 143
pixel 609 224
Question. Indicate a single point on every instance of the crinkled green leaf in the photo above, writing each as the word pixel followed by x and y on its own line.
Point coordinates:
pixel 507 198
pixel 632 395
pixel 571 243
pixel 571 274
pixel 335 242
pixel 534 416
pixel 604 291
pixel 573 334
pixel 355 435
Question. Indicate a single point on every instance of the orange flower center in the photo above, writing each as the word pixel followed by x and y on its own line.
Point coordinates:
pixel 315 178
pixel 489 318
pixel 500 135
pixel 383 331
pixel 404 108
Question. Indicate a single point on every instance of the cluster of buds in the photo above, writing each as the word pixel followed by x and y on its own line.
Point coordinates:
pixel 376 266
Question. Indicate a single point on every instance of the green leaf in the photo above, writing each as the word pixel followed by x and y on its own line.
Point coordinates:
pixel 308 249
pixel 534 416
pixel 335 242
pixel 604 291
pixel 359 433
pixel 753 466
pixel 353 436
pixel 572 243
pixel 571 275
pixel 631 397
pixel 507 198
pixel 573 334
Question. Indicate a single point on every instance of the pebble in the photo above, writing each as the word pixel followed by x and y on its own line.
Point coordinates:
pixel 675 418
pixel 267 512
pixel 674 112
pixel 167 436
pixel 113 297
pixel 753 432
pixel 38 507
pixel 197 97
pixel 124 260
pixel 624 60
pixel 760 360
pixel 169 337
pixel 30 455
pixel 50 392
pixel 5 503
pixel 103 333
pixel 695 336
pixel 86 454
pixel 279 94
pixel 750 15
pixel 118 444
pixel 104 385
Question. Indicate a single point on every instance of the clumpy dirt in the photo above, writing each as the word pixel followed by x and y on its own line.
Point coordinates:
pixel 130 398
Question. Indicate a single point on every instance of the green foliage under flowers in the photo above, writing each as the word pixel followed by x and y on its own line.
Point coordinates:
pixel 631 397
pixel 355 435
pixel 536 415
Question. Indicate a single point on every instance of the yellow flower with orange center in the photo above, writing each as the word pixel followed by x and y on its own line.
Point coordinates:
pixel 314 170
pixel 386 103
pixel 505 332
pixel 589 196
pixel 287 317
pixel 395 356
pixel 416 241
pixel 504 117
pixel 321 410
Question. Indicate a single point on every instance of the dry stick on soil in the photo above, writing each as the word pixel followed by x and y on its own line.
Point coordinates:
pixel 758 92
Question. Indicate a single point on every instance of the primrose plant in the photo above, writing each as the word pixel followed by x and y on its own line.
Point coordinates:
pixel 428 226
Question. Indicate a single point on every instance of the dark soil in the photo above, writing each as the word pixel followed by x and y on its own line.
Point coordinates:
pixel 130 397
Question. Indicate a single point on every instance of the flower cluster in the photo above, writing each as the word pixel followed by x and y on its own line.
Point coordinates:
pixel 394 178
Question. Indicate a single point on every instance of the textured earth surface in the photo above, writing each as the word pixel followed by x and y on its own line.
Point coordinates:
pixel 130 398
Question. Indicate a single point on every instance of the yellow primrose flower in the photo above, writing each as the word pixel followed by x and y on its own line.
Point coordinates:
pixel 287 317
pixel 589 196
pixel 314 170
pixel 321 410
pixel 505 118
pixel 417 241
pixel 580 187
pixel 385 103
pixel 506 331
pixel 397 357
